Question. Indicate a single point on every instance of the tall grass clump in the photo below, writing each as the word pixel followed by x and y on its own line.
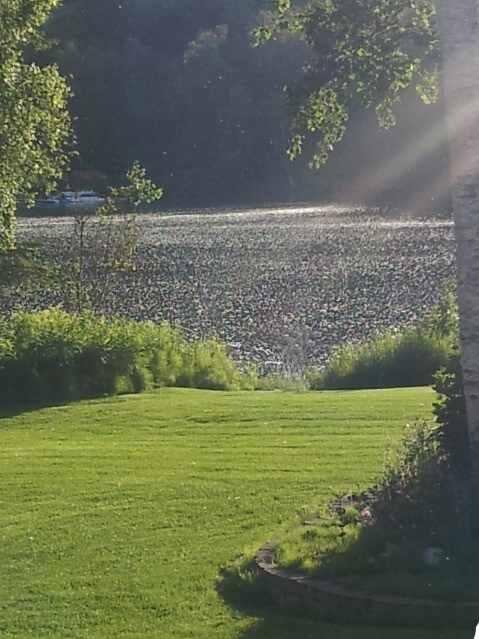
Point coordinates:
pixel 52 355
pixel 391 359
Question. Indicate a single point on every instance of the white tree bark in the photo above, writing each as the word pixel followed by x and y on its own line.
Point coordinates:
pixel 459 27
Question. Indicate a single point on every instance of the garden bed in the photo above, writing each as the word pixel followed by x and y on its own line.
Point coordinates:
pixel 335 603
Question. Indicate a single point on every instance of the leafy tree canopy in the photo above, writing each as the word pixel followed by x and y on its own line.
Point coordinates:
pixel 34 123
pixel 178 86
pixel 364 50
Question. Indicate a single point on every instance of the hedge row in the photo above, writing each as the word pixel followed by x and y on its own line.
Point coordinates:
pixel 51 355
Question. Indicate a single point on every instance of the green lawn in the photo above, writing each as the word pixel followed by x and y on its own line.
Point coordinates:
pixel 116 515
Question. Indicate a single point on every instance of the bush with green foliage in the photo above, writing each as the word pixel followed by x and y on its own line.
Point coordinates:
pixel 422 502
pixel 415 496
pixel 406 359
pixel 443 320
pixel 52 355
pixel 450 411
pixel 388 360
pixel 206 365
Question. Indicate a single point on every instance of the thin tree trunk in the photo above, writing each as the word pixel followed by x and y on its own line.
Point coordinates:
pixel 459 28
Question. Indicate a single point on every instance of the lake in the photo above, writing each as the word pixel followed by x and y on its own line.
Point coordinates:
pixel 282 285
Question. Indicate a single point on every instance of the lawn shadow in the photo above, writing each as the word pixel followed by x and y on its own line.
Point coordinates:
pixel 14 409
pixel 279 626
pixel 8 411
pixel 243 589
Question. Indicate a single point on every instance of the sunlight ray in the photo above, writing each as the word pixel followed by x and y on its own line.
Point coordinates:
pixel 373 181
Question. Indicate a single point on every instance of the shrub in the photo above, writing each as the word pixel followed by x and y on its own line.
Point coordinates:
pixel 450 411
pixel 206 365
pixel 52 355
pixel 422 502
pixel 407 359
pixel 410 358
pixel 416 494
pixel 444 317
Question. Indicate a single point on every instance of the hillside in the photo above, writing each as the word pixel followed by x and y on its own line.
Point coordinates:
pixel 117 515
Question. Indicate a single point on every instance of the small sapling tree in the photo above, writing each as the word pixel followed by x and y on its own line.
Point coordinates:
pixel 104 243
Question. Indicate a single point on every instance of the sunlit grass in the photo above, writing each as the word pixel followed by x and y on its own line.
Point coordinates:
pixel 117 515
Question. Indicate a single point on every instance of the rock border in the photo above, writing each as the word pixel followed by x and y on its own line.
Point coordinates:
pixel 331 602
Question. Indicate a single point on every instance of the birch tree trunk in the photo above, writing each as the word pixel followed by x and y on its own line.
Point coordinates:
pixel 459 28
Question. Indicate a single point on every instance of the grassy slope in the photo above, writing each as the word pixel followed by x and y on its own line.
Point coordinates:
pixel 116 515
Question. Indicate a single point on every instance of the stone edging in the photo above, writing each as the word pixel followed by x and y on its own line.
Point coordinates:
pixel 334 603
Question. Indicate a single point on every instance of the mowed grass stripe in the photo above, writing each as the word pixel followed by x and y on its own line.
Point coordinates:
pixel 116 515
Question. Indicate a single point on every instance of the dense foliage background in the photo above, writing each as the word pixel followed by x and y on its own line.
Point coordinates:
pixel 178 86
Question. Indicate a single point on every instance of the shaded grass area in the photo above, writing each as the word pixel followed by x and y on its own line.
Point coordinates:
pixel 367 560
pixel 118 514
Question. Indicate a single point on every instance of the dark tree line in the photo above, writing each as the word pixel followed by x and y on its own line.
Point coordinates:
pixel 178 86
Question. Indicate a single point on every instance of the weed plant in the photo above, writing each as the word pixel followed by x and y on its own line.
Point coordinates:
pixel 450 411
